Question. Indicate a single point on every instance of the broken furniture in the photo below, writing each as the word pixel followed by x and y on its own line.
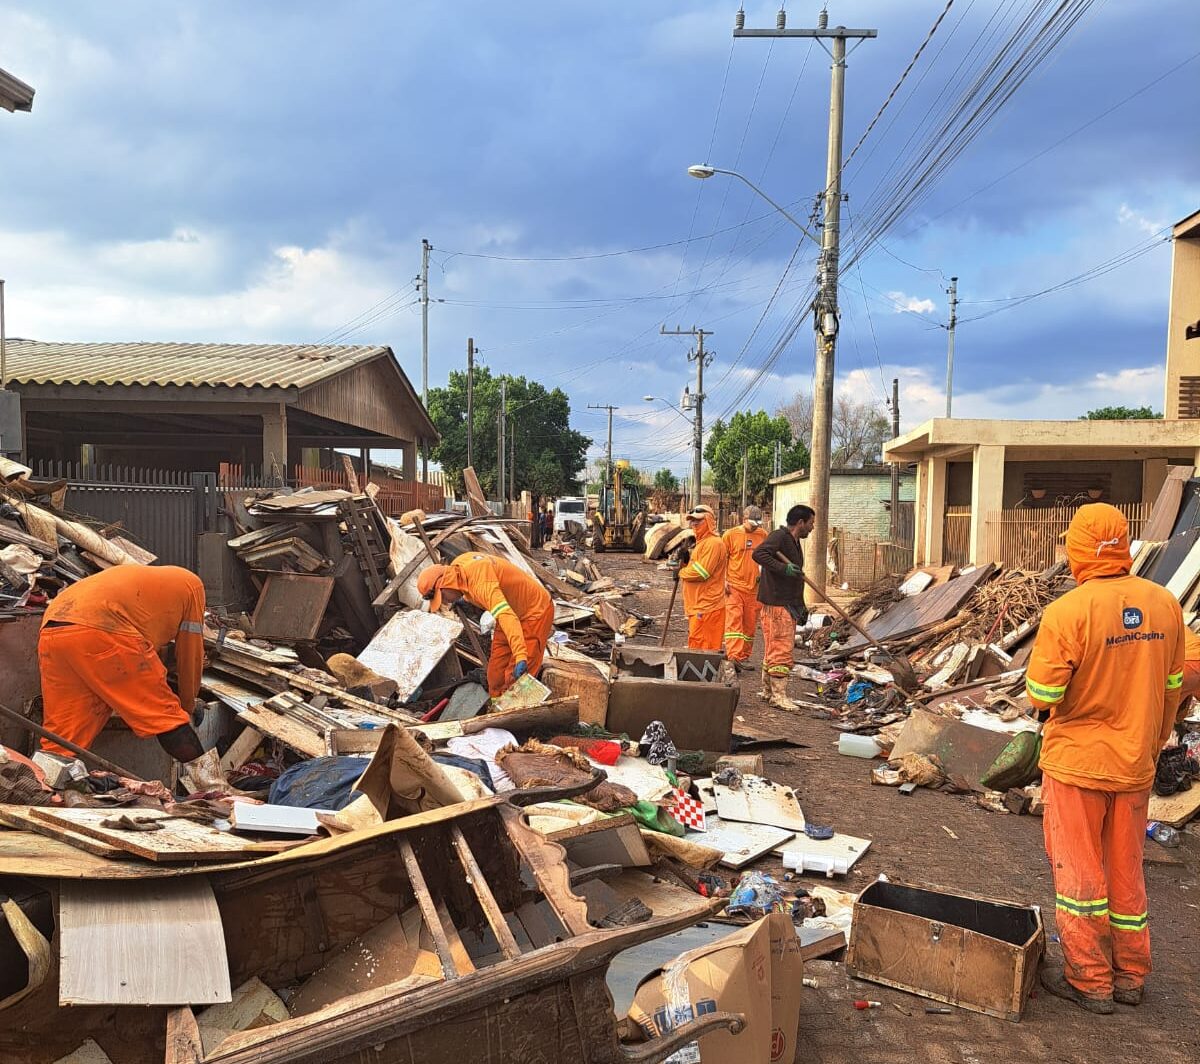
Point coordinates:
pixel 974 952
pixel 479 950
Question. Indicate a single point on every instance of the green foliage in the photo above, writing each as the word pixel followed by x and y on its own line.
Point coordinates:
pixel 549 453
pixel 1120 413
pixel 754 434
pixel 596 474
pixel 665 480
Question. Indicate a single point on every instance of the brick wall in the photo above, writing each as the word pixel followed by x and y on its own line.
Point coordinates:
pixel 856 501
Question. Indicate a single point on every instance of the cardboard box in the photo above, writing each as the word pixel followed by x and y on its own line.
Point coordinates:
pixel 978 953
pixel 755 972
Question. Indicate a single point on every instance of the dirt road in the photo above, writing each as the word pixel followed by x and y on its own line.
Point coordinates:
pixel 992 854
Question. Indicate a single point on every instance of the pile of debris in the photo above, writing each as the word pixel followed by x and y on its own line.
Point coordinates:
pixel 935 679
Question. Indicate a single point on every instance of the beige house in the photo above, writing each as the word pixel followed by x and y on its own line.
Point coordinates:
pixel 859 499
pixel 1183 323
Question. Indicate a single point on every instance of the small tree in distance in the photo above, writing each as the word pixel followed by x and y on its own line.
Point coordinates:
pixel 1120 413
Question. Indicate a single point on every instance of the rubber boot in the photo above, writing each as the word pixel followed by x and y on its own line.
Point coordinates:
pixel 204 774
pixel 779 694
pixel 764 693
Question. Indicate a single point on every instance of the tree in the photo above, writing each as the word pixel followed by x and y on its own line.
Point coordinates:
pixel 549 454
pixel 859 429
pixel 1120 413
pixel 753 435
pixel 596 472
pixel 665 480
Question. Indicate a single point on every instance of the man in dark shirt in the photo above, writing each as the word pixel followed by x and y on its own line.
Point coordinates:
pixel 781 592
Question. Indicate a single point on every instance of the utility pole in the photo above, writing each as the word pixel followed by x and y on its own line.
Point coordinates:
pixel 701 358
pixel 470 399
pixel 950 343
pixel 895 523
pixel 778 466
pixel 501 484
pixel 608 460
pixel 745 473
pixel 825 306
pixel 423 281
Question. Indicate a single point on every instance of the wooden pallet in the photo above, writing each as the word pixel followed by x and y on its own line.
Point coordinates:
pixel 370 539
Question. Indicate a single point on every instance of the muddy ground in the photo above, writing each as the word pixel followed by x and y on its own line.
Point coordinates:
pixel 991 854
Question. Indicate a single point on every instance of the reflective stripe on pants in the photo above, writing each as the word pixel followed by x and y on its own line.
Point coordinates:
pixel 1094 840
pixel 741 618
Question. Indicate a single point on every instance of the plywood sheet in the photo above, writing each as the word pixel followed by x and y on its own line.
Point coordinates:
pixel 1166 506
pixel 141 943
pixel 408 647
pixel 759 801
pixel 291 607
pixel 1177 809
pixel 18 816
pixel 740 843
pixel 177 840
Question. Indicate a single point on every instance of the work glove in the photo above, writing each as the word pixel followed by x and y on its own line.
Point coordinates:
pixel 520 669
pixel 793 570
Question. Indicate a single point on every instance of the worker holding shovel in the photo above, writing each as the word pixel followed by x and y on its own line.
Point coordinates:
pixel 781 592
pixel 741 586
pixel 703 577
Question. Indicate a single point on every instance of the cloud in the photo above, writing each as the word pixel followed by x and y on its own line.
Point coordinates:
pixel 902 304
pixel 1126 215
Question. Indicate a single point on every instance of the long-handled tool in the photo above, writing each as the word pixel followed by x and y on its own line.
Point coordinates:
pixel 900 667
pixel 670 609
pixel 84 755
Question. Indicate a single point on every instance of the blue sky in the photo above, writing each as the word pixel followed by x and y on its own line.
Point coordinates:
pixel 265 172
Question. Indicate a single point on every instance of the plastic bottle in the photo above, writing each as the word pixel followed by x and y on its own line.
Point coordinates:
pixel 858 745
pixel 1163 834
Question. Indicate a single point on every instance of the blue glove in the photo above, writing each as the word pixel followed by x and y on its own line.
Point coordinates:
pixel 520 669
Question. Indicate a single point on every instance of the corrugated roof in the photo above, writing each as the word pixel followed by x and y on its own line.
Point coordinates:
pixel 266 365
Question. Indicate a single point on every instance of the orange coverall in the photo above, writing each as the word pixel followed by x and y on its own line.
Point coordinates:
pixel 1191 663
pixel 1108 665
pixel 522 608
pixel 98 652
pixel 703 581
pixel 741 595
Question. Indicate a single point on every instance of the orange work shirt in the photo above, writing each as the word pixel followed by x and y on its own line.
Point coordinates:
pixel 741 569
pixel 505 590
pixel 703 577
pixel 1108 663
pixel 160 603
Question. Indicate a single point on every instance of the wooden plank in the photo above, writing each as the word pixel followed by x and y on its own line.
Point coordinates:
pixel 141 943
pixel 1186 575
pixel 1166 506
pixel 240 749
pixel 475 496
pixel 759 801
pixel 483 893
pixel 276 819
pixel 177 840
pixel 429 911
pixel 17 816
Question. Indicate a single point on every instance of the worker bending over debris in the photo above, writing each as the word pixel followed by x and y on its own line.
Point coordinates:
pixel 1108 666
pixel 99 654
pixel 702 571
pixel 741 585
pixel 521 607
pixel 781 592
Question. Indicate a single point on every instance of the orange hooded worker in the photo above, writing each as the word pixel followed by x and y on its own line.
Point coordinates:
pixel 703 575
pixel 1191 664
pixel 521 607
pixel 741 585
pixel 1108 666
pixel 98 655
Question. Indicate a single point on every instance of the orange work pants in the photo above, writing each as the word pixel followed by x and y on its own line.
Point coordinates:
pixel 88 675
pixel 536 630
pixel 779 634
pixel 1094 840
pixel 741 618
pixel 706 629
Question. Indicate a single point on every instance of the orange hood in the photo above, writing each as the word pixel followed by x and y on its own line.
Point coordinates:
pixel 1098 542
pixel 707 527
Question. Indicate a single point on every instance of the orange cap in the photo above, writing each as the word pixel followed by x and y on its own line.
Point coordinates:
pixel 429 584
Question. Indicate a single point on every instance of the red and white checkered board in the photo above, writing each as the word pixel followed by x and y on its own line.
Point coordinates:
pixel 686 810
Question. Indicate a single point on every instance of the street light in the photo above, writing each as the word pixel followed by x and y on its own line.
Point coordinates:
pixel 704 171
pixel 689 421
pixel 825 321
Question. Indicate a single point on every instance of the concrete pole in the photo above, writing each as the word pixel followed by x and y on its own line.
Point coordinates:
pixel 895 523
pixel 698 443
pixel 470 399
pixel 425 347
pixel 950 344
pixel 745 475
pixel 501 492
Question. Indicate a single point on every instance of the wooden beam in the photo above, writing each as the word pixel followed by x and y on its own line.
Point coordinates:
pixel 483 893
pixel 429 911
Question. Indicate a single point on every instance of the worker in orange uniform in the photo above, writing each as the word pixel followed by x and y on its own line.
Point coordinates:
pixel 1108 666
pixel 99 654
pixel 521 607
pixel 1191 664
pixel 781 592
pixel 741 586
pixel 702 572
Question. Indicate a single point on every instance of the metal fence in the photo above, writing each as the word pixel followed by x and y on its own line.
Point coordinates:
pixel 159 509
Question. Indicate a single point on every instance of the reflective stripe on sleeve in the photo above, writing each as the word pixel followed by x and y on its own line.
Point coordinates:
pixel 499 608
pixel 195 627
pixel 1045 692
pixel 1175 681
pixel 704 573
